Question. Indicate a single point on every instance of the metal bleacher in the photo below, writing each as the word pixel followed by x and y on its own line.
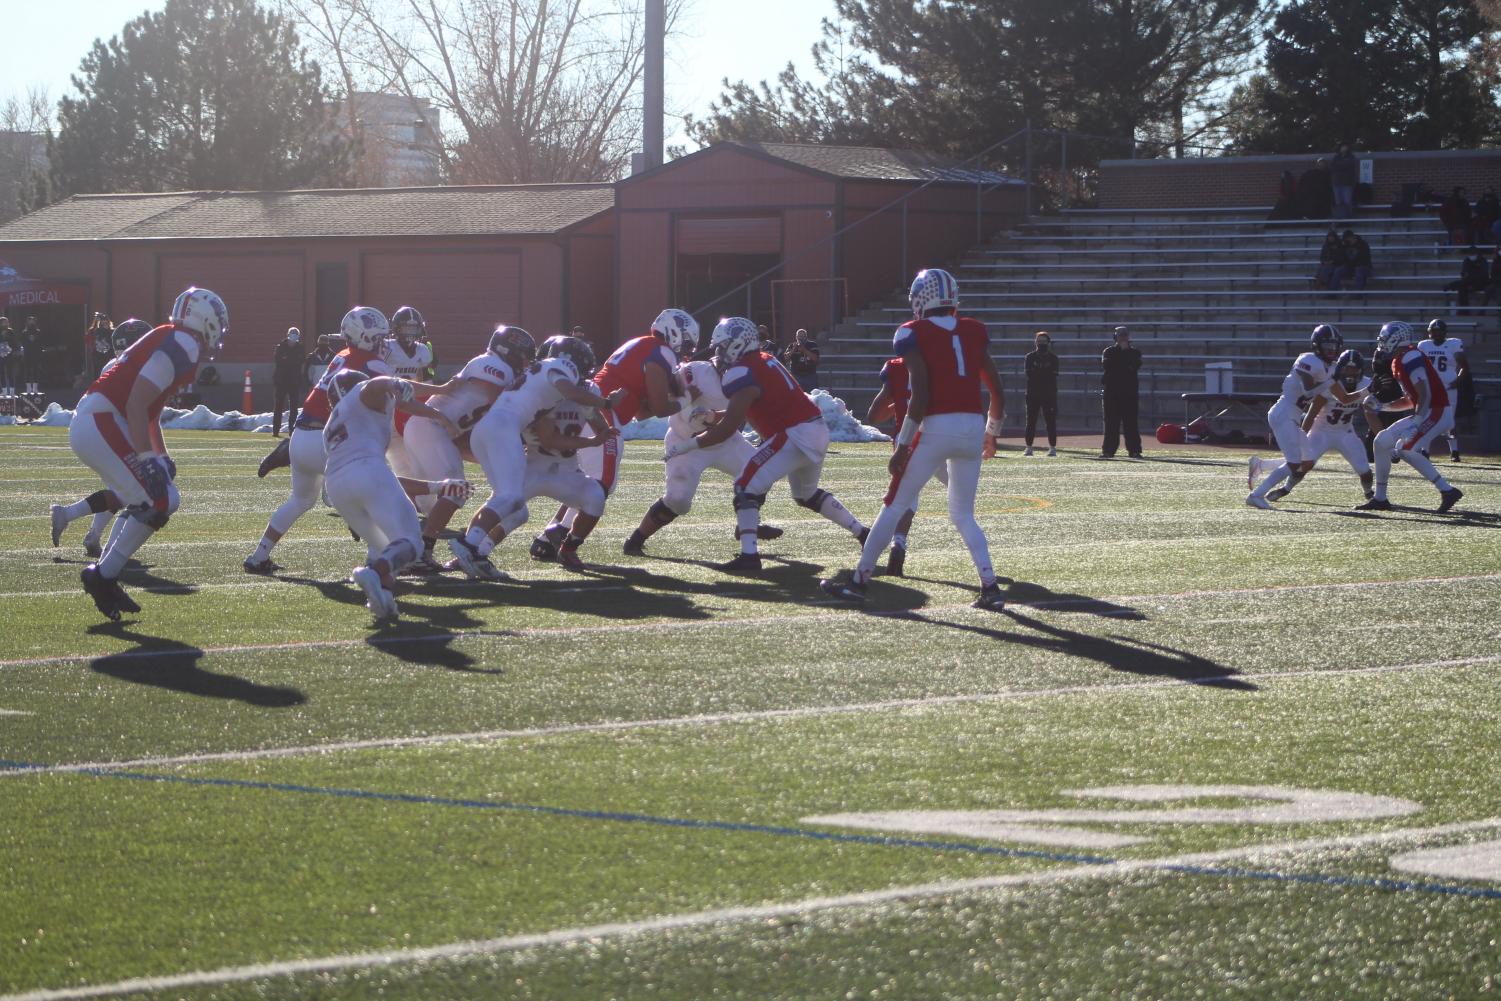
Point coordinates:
pixel 1194 287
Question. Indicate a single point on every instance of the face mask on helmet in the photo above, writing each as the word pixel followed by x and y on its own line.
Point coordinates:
pixel 678 329
pixel 364 327
pixel 201 312
pixel 407 325
pixel 734 337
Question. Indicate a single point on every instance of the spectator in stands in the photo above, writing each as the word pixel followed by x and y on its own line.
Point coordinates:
pixel 1042 391
pixel 1316 191
pixel 1344 175
pixel 1121 362
pixel 801 359
pixel 99 342
pixel 1454 212
pixel 1287 198
pixel 1487 214
pixel 10 356
pixel 1355 267
pixel 1493 290
pixel 1331 256
pixel 767 344
pixel 289 372
pixel 318 360
pixel 1474 276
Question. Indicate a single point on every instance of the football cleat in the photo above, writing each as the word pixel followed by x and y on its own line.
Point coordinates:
pixel 59 524
pixel 1256 500
pixel 1450 498
pixel 1052 453
pixel 846 590
pixel 570 559
pixel 1369 493
pixel 767 533
pixel 265 567
pixel 1453 456
pixel 382 603
pixel 544 550
pixel 278 458
pixel 1027 450
pixel 125 601
pixel 1278 494
pixel 745 563
pixel 634 546
pixel 96 587
pixel 897 562
pixel 468 560
pixel 423 566
pixel 991 599
pixel 91 547
pixel 1375 504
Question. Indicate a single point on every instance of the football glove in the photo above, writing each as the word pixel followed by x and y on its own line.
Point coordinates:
pixel 151 473
pixel 171 468
pixel 680 448
pixel 457 491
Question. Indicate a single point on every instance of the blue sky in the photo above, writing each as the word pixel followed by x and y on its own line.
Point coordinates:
pixel 733 38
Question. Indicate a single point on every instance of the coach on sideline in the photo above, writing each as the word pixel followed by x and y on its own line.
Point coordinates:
pixel 1121 363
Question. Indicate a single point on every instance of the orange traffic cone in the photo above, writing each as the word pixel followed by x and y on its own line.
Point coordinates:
pixel 247 401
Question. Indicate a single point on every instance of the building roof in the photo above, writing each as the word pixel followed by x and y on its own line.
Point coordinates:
pixel 536 209
pixel 874 164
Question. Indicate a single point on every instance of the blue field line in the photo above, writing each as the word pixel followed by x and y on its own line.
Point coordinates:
pixel 1365 882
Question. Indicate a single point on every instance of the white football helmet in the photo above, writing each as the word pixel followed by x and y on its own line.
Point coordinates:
pixel 202 312
pixel 933 288
pixel 734 337
pixel 364 327
pixel 1394 338
pixel 679 329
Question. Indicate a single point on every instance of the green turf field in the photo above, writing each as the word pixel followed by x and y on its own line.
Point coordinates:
pixel 1208 751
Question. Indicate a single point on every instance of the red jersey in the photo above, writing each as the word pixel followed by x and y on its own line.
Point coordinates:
pixel 167 357
pixel 1408 364
pixel 955 357
pixel 898 389
pixel 782 403
pixel 626 369
pixel 315 408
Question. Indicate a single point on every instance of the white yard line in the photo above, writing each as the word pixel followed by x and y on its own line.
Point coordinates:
pixel 15 712
pixel 730 915
pixel 715 719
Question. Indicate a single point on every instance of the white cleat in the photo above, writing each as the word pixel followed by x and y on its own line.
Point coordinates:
pixel 1253 472
pixel 475 566
pixel 382 603
pixel 59 524
pixel 1027 450
pixel 1256 500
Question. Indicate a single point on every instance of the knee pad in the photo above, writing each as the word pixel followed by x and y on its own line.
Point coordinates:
pixel 503 505
pixel 744 499
pixel 103 500
pixel 399 553
pixel 663 514
pixel 813 501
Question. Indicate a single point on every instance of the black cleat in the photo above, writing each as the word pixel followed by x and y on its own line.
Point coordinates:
pixel 1453 456
pixel 745 563
pixel 846 590
pixel 990 599
pixel 426 565
pixel 92 548
pixel 897 562
pixel 544 549
pixel 125 601
pixel 279 457
pixel 634 546
pixel 1450 498
pixel 766 533
pixel 265 567
pixel 1375 504
pixel 96 587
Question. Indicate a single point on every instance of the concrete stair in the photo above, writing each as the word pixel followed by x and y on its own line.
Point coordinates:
pixel 1195 288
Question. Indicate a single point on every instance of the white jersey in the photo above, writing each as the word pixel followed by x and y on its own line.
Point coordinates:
pixel 356 432
pixel 533 392
pixel 570 420
pixel 1294 393
pixel 467 401
pixel 1445 358
pixel 696 415
pixel 406 364
pixel 1336 416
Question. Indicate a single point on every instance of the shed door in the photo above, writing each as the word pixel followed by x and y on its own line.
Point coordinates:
pixel 462 296
pixel 747 235
pixel 263 293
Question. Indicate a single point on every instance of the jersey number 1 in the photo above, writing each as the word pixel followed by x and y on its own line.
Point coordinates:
pixel 959 354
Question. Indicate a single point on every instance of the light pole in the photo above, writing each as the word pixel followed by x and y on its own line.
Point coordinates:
pixel 653 110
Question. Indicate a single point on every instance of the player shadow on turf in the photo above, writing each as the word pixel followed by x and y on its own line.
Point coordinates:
pixel 169 664
pixel 1021 592
pixel 138 575
pixel 1453 519
pixel 777 575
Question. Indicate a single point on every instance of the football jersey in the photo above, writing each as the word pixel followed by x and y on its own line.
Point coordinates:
pixel 626 369
pixel 1445 358
pixel 898 389
pixel 406 364
pixel 1413 362
pixel 467 402
pixel 1294 394
pixel 570 420
pixel 356 432
pixel 953 348
pixel 315 408
pixel 534 391
pixel 700 375
pixel 167 356
pixel 782 403
pixel 1337 415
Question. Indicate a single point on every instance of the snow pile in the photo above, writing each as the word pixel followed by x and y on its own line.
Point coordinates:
pixel 55 417
pixel 650 429
pixel 7 421
pixel 201 418
pixel 843 425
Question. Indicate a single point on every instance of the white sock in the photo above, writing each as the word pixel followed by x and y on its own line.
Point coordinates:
pixel 479 540
pixel 76 510
pixel 96 527
pixel 262 551
pixel 839 514
pixel 132 536
pixel 747 520
pixel 1279 474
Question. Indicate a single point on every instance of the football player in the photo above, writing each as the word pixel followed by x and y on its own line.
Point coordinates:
pixel 496 441
pixel 406 351
pixel 793 435
pixel 364 329
pixel 102 504
pixel 947 361
pixel 116 431
pixel 370 498
pixel 891 403
pixel 1448 357
pixel 1330 423
pixel 1309 377
pixel 1432 415
pixel 642 370
pixel 433 452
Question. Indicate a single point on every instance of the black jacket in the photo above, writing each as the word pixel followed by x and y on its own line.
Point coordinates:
pixel 1121 365
pixel 1042 373
pixel 291 365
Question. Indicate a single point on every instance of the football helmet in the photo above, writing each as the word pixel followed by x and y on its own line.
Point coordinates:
pixel 1438 331
pixel 127 334
pixel 513 346
pixel 933 289
pixel 1349 368
pixel 1326 341
pixel 199 311
pixel 343 383
pixel 734 337
pixel 679 329
pixel 1395 337
pixel 407 325
pixel 575 350
pixel 294 335
pixel 364 327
